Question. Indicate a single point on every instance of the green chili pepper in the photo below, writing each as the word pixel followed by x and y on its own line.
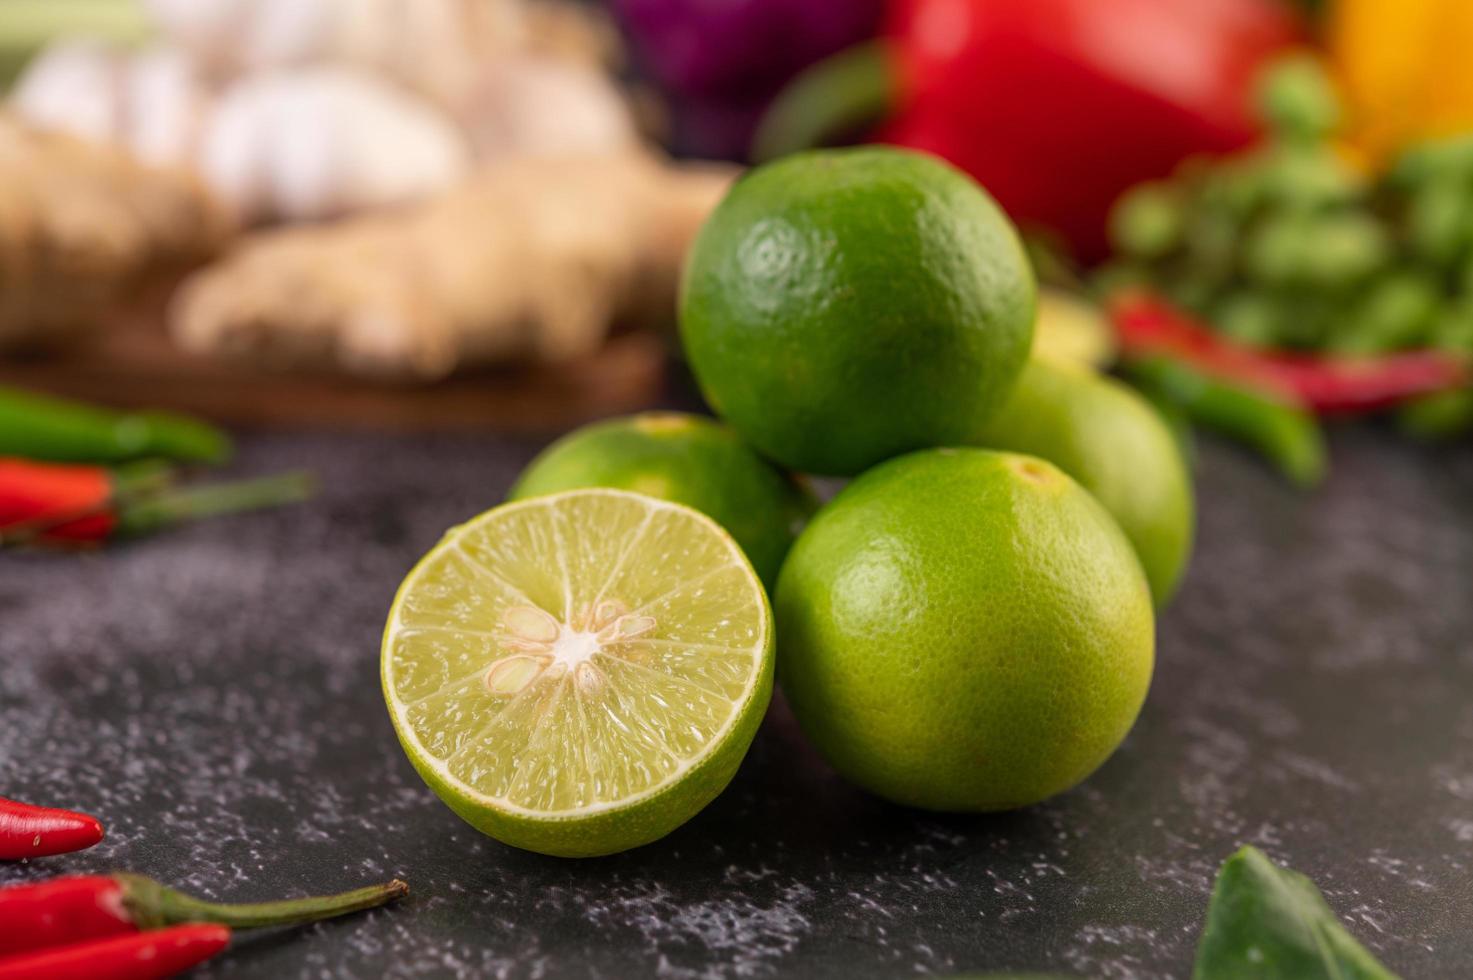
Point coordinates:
pixel 1284 433
pixel 40 427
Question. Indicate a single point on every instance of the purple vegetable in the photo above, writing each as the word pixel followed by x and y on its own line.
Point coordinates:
pixel 721 61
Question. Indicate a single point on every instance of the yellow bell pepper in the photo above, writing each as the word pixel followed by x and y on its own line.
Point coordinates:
pixel 1403 67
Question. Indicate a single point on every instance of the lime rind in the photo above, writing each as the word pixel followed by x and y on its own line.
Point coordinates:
pixel 582 672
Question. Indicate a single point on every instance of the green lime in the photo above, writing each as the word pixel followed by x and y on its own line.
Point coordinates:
pixel 1117 446
pixel 964 630
pixel 842 307
pixel 687 459
pixel 579 674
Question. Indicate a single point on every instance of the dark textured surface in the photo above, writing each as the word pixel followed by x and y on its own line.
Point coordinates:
pixel 212 694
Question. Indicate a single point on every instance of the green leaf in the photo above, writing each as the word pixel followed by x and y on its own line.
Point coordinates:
pixel 1269 923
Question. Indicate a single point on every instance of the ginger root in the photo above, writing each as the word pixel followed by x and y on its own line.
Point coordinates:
pixel 81 225
pixel 531 259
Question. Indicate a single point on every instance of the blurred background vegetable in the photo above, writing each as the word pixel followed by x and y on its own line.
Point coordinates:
pixel 719 64
pixel 82 227
pixel 528 261
pixel 1403 70
pixel 454 185
pixel 304 109
pixel 1293 246
pixel 1026 95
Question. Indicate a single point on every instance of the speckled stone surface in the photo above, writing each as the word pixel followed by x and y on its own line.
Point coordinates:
pixel 213 695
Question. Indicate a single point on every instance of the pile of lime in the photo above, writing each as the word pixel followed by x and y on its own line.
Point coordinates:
pixel 968 625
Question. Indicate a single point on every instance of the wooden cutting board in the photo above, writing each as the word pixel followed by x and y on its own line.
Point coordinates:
pixel 133 364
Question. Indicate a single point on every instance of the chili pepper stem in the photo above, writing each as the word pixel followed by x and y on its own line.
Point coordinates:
pixel 152 905
pixel 175 507
pixel 841 94
pixel 144 477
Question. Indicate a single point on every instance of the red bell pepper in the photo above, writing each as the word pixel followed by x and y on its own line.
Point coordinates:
pixel 1149 326
pixel 1055 106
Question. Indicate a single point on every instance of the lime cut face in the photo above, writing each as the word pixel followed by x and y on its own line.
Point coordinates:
pixel 579 673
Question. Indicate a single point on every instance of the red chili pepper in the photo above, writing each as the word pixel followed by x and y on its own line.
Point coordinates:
pixel 76 909
pixel 140 957
pixel 71 502
pixel 1148 325
pixel 1055 106
pixel 28 831
pixel 61 503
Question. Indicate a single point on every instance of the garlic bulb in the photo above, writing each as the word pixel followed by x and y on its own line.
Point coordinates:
pixel 541 107
pixel 431 45
pixel 151 102
pixel 319 142
pixel 72 87
pixel 164 106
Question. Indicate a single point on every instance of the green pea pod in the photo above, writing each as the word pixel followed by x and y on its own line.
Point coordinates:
pixel 1437 220
pixel 1453 330
pixel 1398 313
pixel 1147 221
pixel 1308 177
pixel 1249 318
pixel 40 427
pixel 1297 99
pixel 1436 160
pixel 1282 432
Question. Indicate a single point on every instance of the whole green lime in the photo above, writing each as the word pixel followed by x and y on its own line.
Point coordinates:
pixel 1117 446
pixel 842 307
pixel 964 630
pixel 686 459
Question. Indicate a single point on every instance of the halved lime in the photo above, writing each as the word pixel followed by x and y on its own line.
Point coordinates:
pixel 579 674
